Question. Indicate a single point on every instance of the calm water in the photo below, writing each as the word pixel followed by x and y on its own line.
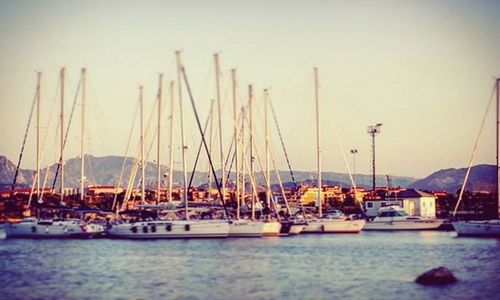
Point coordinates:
pixel 364 266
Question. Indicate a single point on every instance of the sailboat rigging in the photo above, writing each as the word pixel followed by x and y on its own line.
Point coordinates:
pixel 53 228
pixel 484 228
pixel 325 224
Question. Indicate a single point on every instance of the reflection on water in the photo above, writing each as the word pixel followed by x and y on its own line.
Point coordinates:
pixel 371 265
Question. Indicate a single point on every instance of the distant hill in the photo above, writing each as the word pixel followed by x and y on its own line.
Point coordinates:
pixel 106 171
pixel 7 171
pixel 481 178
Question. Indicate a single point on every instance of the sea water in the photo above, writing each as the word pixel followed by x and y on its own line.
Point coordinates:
pixel 369 265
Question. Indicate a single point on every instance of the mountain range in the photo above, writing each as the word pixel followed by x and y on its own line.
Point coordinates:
pixel 481 178
pixel 106 171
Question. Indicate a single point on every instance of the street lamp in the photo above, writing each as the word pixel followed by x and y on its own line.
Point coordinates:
pixel 354 152
pixel 373 130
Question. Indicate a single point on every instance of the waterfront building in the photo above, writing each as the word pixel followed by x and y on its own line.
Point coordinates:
pixel 328 193
pixel 413 201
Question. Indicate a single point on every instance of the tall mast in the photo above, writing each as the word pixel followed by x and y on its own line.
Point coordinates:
pixel 143 171
pixel 250 120
pixel 82 149
pixel 266 129
pixel 235 121
pixel 497 141
pixel 219 112
pixel 210 141
pixel 158 150
pixel 62 134
pixel 38 95
pixel 184 174
pixel 318 145
pixel 242 138
pixel 171 155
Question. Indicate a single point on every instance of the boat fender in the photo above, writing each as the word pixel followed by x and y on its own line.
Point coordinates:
pixel 145 229
pixel 187 227
pixel 323 228
pixel 153 228
pixel 169 227
pixel 133 229
pixel 33 229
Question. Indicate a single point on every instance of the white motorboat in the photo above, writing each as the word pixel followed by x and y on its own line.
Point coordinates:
pixel 165 229
pixel 395 218
pixel 70 228
pixel 487 228
pixel 245 228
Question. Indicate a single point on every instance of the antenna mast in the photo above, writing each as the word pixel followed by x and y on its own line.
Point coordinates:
pixel 373 130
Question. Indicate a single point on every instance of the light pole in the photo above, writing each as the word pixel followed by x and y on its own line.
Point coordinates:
pixel 373 130
pixel 354 152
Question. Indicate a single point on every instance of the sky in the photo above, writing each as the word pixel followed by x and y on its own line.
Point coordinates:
pixel 425 69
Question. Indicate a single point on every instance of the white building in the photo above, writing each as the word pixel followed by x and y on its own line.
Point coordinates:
pixel 414 202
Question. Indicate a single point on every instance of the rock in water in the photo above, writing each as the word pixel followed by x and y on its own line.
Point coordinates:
pixel 441 275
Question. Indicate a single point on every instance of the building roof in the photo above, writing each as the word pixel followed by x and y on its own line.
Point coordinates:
pixel 410 193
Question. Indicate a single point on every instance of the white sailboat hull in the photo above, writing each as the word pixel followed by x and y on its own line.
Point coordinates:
pixel 170 229
pixel 296 229
pixel 271 229
pixel 490 228
pixel 419 224
pixel 56 229
pixel 245 228
pixel 334 226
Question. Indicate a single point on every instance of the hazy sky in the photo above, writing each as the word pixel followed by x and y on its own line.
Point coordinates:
pixel 424 69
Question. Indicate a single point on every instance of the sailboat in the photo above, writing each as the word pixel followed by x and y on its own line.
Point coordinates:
pixel 162 228
pixel 238 227
pixel 32 227
pixel 485 228
pixel 325 224
pixel 272 227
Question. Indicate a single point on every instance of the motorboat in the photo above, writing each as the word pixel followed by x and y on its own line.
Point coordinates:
pixel 395 218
